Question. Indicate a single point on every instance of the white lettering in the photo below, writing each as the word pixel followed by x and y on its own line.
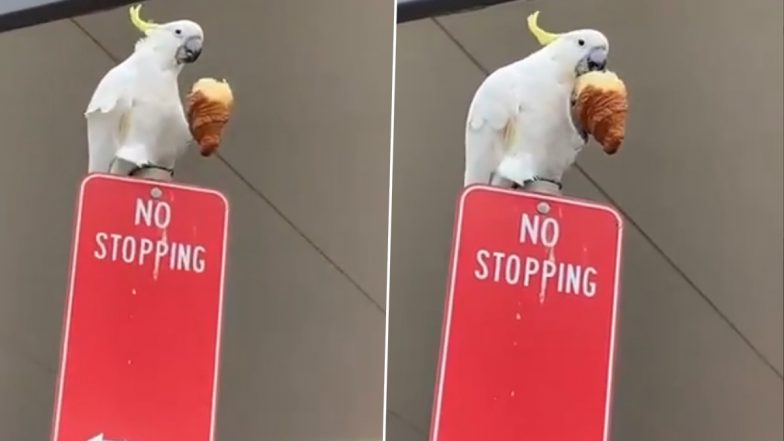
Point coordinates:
pixel 572 279
pixel 99 239
pixel 481 256
pixel 115 245
pixel 550 232
pixel 560 277
pixel 534 230
pixel 128 249
pixel 184 258
pixel 549 271
pixel 529 229
pixel 162 214
pixel 158 253
pixel 589 286
pixel 498 258
pixel 198 259
pixel 513 269
pixel 155 252
pixel 173 257
pixel 540 270
pixel 145 249
pixel 152 212
pixel 161 249
pixel 531 268
pixel 143 212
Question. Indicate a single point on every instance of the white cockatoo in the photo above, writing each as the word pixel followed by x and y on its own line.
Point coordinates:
pixel 136 112
pixel 519 127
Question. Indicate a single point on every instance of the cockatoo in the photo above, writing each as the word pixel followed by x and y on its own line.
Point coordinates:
pixel 519 128
pixel 136 113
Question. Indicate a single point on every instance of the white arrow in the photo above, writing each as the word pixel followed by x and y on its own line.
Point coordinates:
pixel 98 437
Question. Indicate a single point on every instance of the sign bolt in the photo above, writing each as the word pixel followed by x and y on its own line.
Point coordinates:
pixel 156 192
pixel 543 208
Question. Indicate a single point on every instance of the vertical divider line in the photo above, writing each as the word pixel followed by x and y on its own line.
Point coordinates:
pixel 389 220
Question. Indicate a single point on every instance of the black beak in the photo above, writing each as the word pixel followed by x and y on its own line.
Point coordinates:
pixel 596 65
pixel 192 56
pixel 597 60
pixel 191 50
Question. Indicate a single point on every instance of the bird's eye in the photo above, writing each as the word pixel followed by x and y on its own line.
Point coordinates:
pixel 178 31
pixel 581 42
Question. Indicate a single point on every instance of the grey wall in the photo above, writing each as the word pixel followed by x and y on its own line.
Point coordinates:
pixel 305 166
pixel 700 183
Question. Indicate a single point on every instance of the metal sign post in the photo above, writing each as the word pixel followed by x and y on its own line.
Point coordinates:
pixel 530 319
pixel 141 338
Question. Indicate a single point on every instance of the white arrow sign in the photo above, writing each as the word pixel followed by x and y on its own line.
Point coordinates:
pixel 100 437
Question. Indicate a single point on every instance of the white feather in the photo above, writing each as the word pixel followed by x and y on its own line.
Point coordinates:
pixel 519 124
pixel 136 113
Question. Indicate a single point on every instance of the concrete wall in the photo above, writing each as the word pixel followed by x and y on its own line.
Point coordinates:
pixel 699 181
pixel 305 166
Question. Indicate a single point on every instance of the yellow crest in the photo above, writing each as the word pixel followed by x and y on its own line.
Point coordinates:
pixel 543 37
pixel 144 26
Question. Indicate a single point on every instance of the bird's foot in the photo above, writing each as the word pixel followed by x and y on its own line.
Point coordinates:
pixel 541 185
pixel 152 171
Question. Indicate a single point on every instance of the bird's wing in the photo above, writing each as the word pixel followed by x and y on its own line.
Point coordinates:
pixel 172 139
pixel 107 117
pixel 182 130
pixel 491 125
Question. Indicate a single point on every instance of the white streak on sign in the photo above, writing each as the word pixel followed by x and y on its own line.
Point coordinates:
pixel 157 269
pixel 551 260
pixel 135 250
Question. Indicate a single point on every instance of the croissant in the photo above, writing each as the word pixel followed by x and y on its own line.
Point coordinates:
pixel 209 106
pixel 601 105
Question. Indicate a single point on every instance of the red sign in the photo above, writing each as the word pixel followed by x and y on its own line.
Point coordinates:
pixel 140 350
pixel 529 329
